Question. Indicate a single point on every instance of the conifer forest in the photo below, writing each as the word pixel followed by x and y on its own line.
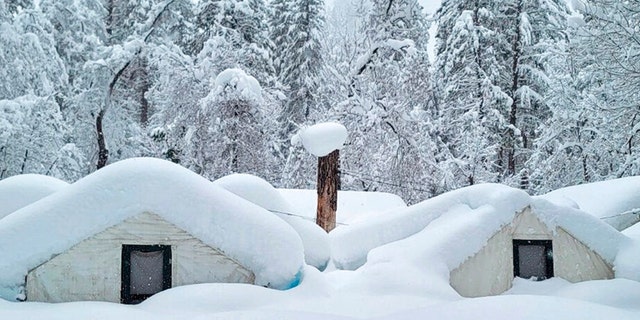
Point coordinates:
pixel 535 94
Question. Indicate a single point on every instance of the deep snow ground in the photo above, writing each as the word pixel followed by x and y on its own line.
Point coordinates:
pixel 350 295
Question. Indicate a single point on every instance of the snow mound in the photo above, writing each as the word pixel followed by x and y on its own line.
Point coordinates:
pixel 353 206
pixel 615 201
pixel 321 139
pixel 245 232
pixel 262 193
pixel 21 190
pixel 618 293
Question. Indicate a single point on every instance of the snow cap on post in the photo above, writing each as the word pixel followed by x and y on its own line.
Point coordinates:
pixel 322 138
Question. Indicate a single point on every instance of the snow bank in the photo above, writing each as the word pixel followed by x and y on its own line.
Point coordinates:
pixel 245 232
pixel 511 307
pixel 615 201
pixel 618 293
pixel 262 193
pixel 22 190
pixel 321 139
pixel 353 206
pixel 350 244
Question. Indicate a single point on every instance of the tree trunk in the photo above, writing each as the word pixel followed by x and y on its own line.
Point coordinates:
pixel 328 185
pixel 103 153
pixel 515 85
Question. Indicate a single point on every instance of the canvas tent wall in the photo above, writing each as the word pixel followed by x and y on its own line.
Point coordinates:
pixel 491 270
pixel 92 269
pixel 169 198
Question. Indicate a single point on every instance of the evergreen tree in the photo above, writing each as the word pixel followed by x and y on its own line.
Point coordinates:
pixel 492 59
pixel 300 59
pixel 297 32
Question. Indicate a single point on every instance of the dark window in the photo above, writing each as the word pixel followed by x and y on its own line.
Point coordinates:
pixel 533 259
pixel 146 270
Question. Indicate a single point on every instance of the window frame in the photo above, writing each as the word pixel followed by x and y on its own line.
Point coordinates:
pixel 548 254
pixel 125 290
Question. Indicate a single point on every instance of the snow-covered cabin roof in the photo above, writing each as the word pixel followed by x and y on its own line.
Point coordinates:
pixel 262 193
pixel 21 190
pixel 467 218
pixel 245 232
pixel 614 201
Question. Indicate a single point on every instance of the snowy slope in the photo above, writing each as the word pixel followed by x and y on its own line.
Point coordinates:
pixel 21 190
pixel 255 238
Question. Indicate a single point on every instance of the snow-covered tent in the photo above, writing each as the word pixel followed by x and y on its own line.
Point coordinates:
pixel 21 190
pixel 262 193
pixel 137 227
pixel 485 235
pixel 538 245
pixel 615 201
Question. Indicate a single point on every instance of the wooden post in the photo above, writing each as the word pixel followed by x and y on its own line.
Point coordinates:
pixel 328 185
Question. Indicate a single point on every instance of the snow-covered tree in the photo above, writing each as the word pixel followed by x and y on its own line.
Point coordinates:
pixel 493 60
pixel 298 28
pixel 387 120
pixel 34 139
pixel 29 62
pixel 233 124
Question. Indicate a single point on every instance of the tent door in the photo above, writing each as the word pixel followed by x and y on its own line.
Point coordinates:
pixel 146 270
pixel 533 259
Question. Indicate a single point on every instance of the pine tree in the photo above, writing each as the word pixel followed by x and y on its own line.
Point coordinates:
pixel 300 60
pixel 492 60
pixel 297 32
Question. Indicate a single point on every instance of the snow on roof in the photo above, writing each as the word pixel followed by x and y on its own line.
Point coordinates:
pixel 22 190
pixel 322 138
pixel 459 224
pixel 351 244
pixel 262 193
pixel 633 232
pixel 259 241
pixel 600 199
